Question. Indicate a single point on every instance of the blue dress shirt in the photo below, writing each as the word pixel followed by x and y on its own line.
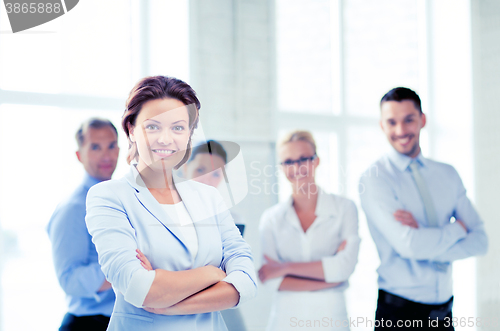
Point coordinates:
pixel 75 256
pixel 408 255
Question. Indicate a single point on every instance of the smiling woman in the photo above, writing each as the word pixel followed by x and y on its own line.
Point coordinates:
pixel 198 263
pixel 161 134
pixel 309 243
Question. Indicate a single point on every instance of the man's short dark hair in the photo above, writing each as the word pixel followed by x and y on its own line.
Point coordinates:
pixel 94 123
pixel 400 94
pixel 211 147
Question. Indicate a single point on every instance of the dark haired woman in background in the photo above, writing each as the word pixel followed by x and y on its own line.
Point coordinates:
pixel 201 263
pixel 206 166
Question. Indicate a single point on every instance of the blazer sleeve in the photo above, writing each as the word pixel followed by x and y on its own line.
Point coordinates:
pixel 115 241
pixel 237 260
pixel 339 267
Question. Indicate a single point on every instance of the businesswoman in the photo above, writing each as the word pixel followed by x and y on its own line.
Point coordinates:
pixel 310 245
pixel 205 165
pixel 201 263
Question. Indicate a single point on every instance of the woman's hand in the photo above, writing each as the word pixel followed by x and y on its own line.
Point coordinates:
pixel 341 246
pixel 272 269
pixel 144 260
pixel 218 273
pixel 214 273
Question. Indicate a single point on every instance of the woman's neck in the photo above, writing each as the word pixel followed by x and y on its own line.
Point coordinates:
pixel 160 184
pixel 305 198
pixel 156 179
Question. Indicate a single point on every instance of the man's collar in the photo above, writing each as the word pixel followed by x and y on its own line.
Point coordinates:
pixel 89 181
pixel 402 161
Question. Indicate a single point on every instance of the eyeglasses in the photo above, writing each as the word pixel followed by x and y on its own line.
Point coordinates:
pixel 300 161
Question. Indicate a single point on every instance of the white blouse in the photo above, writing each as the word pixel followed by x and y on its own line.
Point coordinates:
pixel 179 214
pixel 284 240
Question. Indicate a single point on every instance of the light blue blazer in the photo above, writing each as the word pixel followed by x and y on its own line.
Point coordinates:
pixel 122 216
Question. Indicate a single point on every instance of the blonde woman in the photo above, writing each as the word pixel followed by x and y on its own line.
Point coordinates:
pixel 310 245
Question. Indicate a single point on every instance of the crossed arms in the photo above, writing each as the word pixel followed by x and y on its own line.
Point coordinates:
pixel 199 290
pixel 194 291
pixel 463 238
pixel 329 271
pixel 305 276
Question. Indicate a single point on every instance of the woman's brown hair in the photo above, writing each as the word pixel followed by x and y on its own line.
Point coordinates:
pixel 159 87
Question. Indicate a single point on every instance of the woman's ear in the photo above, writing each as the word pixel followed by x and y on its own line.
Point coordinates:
pixel 131 132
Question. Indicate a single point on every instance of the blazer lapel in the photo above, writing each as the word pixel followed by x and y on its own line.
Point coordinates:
pixel 201 219
pixel 192 200
pixel 149 202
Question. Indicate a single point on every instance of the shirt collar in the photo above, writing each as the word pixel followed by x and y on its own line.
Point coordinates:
pixel 402 161
pixel 89 181
pixel 324 206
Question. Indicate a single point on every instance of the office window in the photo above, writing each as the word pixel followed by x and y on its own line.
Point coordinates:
pixel 380 51
pixel 39 169
pixel 303 56
pixel 381 45
pixel 73 53
pixel 81 65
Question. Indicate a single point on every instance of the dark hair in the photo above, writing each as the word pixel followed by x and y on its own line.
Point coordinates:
pixel 211 147
pixel 94 123
pixel 400 94
pixel 159 87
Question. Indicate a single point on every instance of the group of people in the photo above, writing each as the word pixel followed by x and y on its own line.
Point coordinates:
pixel 159 251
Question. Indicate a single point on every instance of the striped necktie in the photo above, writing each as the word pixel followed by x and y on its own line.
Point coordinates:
pixel 430 211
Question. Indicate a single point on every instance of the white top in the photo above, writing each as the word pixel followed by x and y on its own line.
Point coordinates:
pixel 284 240
pixel 181 218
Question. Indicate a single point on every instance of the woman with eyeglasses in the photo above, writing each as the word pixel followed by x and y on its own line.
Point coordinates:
pixel 310 245
pixel 205 166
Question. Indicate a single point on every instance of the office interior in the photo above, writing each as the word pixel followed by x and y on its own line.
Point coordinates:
pixel 261 68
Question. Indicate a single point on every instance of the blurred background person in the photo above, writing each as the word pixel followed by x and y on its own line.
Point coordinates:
pixel 309 243
pixel 89 295
pixel 409 202
pixel 258 80
pixel 206 166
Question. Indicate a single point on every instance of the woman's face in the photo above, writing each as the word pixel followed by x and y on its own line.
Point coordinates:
pixel 161 133
pixel 300 173
pixel 206 168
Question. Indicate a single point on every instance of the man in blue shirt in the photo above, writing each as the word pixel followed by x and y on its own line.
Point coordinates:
pixel 89 296
pixel 421 221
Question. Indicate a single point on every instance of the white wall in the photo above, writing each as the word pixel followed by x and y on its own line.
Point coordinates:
pixel 486 100
pixel 232 70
